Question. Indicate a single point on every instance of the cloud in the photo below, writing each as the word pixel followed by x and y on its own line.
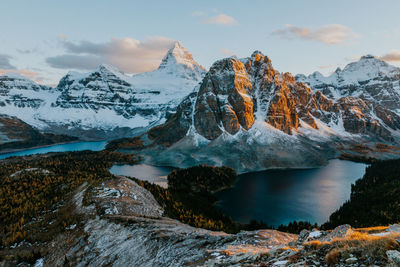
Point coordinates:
pixel 5 62
pixel 393 56
pixel 329 34
pixel 25 51
pixel 70 61
pixel 221 19
pixel 127 54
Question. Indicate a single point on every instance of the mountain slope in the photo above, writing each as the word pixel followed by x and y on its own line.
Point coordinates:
pixel 103 103
pixel 15 134
pixel 245 109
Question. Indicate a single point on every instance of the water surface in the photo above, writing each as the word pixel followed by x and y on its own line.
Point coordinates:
pixel 78 146
pixel 154 174
pixel 280 196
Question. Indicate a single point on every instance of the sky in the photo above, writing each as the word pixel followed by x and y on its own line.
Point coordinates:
pixel 45 39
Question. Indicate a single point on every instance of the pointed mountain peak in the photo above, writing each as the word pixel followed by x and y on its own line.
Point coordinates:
pixel 108 68
pixel 179 55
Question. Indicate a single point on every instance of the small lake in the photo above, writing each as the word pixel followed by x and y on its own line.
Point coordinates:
pixel 78 146
pixel 281 196
pixel 154 174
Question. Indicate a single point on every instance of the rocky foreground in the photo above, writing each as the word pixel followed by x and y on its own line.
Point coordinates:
pixel 123 225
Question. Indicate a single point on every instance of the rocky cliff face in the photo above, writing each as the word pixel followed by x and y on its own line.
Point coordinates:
pixel 240 98
pixel 105 100
pixel 104 87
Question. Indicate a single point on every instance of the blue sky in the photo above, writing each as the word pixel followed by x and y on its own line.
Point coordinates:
pixel 44 39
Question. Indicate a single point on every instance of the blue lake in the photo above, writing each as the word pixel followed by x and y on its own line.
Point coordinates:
pixel 78 146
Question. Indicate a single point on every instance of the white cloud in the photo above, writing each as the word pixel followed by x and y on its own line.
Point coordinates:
pixel 392 56
pixel 221 19
pixel 329 34
pixel 129 55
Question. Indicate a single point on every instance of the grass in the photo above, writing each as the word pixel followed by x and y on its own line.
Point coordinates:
pixel 359 243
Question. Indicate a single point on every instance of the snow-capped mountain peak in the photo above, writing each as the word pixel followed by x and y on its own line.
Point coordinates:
pixel 179 62
pixel 179 55
pixel 368 67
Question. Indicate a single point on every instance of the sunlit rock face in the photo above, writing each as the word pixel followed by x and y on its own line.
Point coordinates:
pixel 224 101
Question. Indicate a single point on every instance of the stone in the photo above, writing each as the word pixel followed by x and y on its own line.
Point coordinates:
pixel 341 231
pixel 394 228
pixel 303 235
pixel 393 256
pixel 351 260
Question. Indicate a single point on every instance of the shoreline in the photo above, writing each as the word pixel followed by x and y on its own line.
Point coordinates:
pixel 6 151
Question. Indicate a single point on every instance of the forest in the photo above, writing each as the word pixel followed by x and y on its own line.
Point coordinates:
pixel 374 199
pixel 34 191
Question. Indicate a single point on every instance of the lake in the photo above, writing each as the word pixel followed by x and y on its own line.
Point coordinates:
pixel 154 174
pixel 275 196
pixel 77 146
pixel 280 196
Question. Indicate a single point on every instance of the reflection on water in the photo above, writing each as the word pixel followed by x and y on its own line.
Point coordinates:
pixel 154 174
pixel 280 196
pixel 79 146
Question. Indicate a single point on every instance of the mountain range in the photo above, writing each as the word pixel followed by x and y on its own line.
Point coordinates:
pixel 241 112
pixel 104 103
